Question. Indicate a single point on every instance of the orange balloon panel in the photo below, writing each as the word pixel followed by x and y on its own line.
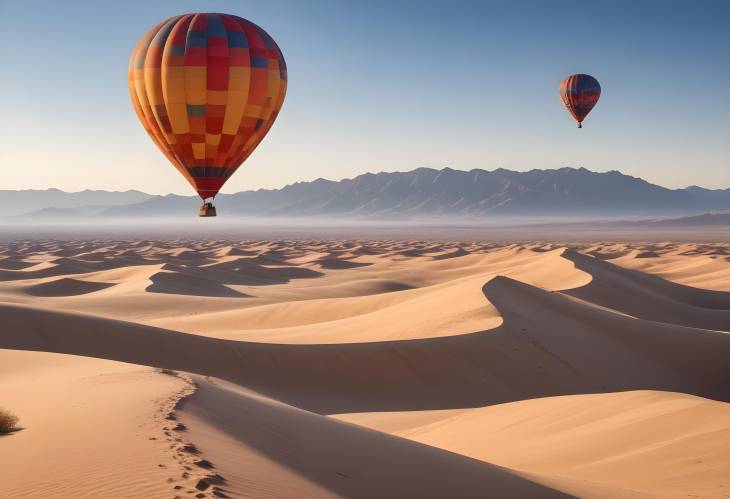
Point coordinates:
pixel 207 88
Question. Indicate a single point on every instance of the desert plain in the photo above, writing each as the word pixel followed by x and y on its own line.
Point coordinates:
pixel 364 368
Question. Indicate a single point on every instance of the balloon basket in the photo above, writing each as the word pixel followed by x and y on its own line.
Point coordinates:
pixel 207 210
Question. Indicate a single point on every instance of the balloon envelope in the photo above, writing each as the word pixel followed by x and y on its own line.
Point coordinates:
pixel 580 93
pixel 207 88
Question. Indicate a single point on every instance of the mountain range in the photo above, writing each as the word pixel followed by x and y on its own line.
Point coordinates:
pixel 20 202
pixel 420 193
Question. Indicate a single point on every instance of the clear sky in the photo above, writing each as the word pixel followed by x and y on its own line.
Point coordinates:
pixel 385 85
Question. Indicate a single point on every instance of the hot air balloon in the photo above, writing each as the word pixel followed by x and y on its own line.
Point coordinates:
pixel 207 88
pixel 580 93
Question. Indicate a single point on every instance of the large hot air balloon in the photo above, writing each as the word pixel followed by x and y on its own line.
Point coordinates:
pixel 580 93
pixel 207 88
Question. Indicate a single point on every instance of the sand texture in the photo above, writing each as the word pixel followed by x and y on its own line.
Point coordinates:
pixel 364 368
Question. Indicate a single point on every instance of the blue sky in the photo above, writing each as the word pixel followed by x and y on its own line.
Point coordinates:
pixel 381 85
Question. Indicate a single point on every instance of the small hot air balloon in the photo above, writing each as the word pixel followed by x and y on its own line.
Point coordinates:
pixel 207 88
pixel 580 93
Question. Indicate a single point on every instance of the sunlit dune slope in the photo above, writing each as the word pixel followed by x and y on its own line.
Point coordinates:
pixel 708 269
pixel 658 443
pixel 92 428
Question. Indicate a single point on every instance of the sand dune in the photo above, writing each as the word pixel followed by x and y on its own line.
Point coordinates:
pixel 445 301
pixel 439 310
pixel 272 449
pixel 88 428
pixel 650 297
pixel 659 443
pixel 709 270
pixel 368 368
pixel 561 347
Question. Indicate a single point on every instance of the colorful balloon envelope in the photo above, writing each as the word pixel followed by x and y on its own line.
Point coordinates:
pixel 207 88
pixel 580 93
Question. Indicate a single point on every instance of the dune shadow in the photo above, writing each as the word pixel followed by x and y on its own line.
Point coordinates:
pixel 340 264
pixel 178 283
pixel 413 252
pixel 66 286
pixel 647 254
pixel 14 264
pixel 452 254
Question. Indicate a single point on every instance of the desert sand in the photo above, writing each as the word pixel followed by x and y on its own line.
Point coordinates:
pixel 364 368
